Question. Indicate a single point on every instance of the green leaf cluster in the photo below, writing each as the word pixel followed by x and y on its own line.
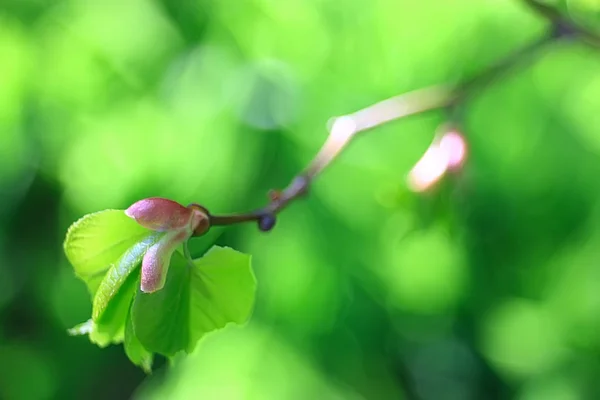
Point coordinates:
pixel 201 295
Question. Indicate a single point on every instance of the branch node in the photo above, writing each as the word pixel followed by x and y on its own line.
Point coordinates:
pixel 266 222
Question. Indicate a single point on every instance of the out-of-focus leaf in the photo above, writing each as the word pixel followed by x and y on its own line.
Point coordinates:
pixel 26 373
pixel 197 298
pixel 248 363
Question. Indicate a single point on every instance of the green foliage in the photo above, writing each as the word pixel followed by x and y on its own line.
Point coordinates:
pixel 106 249
pixel 113 298
pixel 364 287
pixel 134 349
pixel 97 240
pixel 198 297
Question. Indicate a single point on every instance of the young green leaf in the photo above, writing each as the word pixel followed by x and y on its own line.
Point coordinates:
pixel 89 328
pixel 98 240
pixel 111 321
pixel 134 349
pixel 109 326
pixel 197 298
pixel 109 290
pixel 105 249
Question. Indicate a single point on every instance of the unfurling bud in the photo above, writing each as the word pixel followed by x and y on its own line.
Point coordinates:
pixel 155 264
pixel 178 222
pixel 160 214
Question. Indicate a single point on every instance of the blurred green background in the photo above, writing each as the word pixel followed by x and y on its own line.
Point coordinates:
pixel 487 287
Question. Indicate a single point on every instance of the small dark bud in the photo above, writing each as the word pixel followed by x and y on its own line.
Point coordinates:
pixel 266 222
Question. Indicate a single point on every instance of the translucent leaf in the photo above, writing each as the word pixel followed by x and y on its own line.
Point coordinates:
pixel 105 248
pixel 134 349
pixel 111 304
pixel 109 326
pixel 89 328
pixel 197 298
pixel 110 286
pixel 97 240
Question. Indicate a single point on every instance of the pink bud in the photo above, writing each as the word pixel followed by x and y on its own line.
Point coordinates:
pixel 160 214
pixel 178 223
pixel 155 264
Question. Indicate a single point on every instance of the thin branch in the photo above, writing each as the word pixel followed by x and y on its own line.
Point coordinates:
pixel 521 57
pixel 345 128
pixel 563 26
pixel 545 10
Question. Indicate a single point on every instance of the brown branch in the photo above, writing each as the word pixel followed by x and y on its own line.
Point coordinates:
pixel 345 128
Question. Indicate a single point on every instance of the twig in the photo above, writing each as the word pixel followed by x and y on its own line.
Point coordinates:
pixel 345 128
pixel 544 10
pixel 562 26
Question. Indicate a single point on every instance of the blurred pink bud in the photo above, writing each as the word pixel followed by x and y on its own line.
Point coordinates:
pixel 445 153
pixel 178 223
pixel 429 169
pixel 453 144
